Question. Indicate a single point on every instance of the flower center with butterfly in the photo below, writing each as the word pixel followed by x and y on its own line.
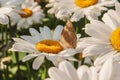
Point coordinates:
pixel 85 3
pixel 68 40
pixel 27 13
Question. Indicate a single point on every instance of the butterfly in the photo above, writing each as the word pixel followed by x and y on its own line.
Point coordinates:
pixel 68 36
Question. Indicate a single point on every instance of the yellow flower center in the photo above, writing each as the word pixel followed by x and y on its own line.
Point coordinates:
pixel 27 11
pixel 49 46
pixel 115 39
pixel 85 3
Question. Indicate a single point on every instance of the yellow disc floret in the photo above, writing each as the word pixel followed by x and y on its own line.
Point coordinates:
pixel 27 13
pixel 115 39
pixel 85 3
pixel 49 46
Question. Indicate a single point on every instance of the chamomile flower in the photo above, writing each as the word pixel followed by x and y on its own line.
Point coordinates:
pixel 77 9
pixel 4 11
pixel 29 12
pixel 42 45
pixel 66 71
pixel 15 5
pixel 105 37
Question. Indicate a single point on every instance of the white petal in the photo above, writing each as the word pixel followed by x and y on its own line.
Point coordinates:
pixel 3 19
pixel 28 57
pixel 37 62
pixel 102 58
pixel 57 61
pixel 57 32
pixel 67 53
pixel 48 79
pixel 94 73
pixel 115 18
pixel 47 33
pixel 5 10
pixel 107 19
pixel 106 71
pixel 84 73
pixel 98 30
pixel 24 47
pixel 77 15
pixel 20 23
pixel 69 69
pixel 117 7
pixel 28 38
pixel 35 34
pixel 116 71
pixel 97 50
pixel 56 74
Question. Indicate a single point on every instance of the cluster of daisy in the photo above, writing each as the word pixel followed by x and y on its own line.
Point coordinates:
pixel 98 52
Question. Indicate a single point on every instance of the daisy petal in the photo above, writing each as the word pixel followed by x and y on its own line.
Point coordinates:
pixel 69 70
pixel 28 57
pixel 35 34
pixel 37 62
pixel 3 19
pixel 57 32
pixel 105 73
pixel 96 50
pixel 108 21
pixel 99 31
pixel 84 73
pixel 56 74
pixel 47 33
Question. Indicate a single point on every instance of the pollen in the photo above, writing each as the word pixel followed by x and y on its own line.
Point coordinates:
pixel 27 13
pixel 49 46
pixel 85 3
pixel 115 39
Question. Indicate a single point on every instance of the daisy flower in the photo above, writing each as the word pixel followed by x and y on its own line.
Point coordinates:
pixel 66 71
pixel 11 3
pixel 29 12
pixel 4 11
pixel 105 38
pixel 42 45
pixel 77 9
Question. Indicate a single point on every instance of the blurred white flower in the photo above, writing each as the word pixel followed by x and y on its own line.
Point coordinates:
pixel 4 11
pixel 105 37
pixel 43 45
pixel 77 9
pixel 15 5
pixel 66 71
pixel 28 13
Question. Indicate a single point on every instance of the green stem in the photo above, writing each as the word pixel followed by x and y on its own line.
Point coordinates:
pixel 82 62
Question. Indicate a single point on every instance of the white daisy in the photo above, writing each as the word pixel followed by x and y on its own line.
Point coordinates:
pixel 105 38
pixel 15 5
pixel 43 45
pixel 77 9
pixel 4 11
pixel 30 12
pixel 66 71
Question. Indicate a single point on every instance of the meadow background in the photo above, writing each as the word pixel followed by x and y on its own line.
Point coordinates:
pixel 15 69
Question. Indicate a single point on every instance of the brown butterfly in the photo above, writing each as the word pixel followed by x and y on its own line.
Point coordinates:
pixel 38 1
pixel 68 36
